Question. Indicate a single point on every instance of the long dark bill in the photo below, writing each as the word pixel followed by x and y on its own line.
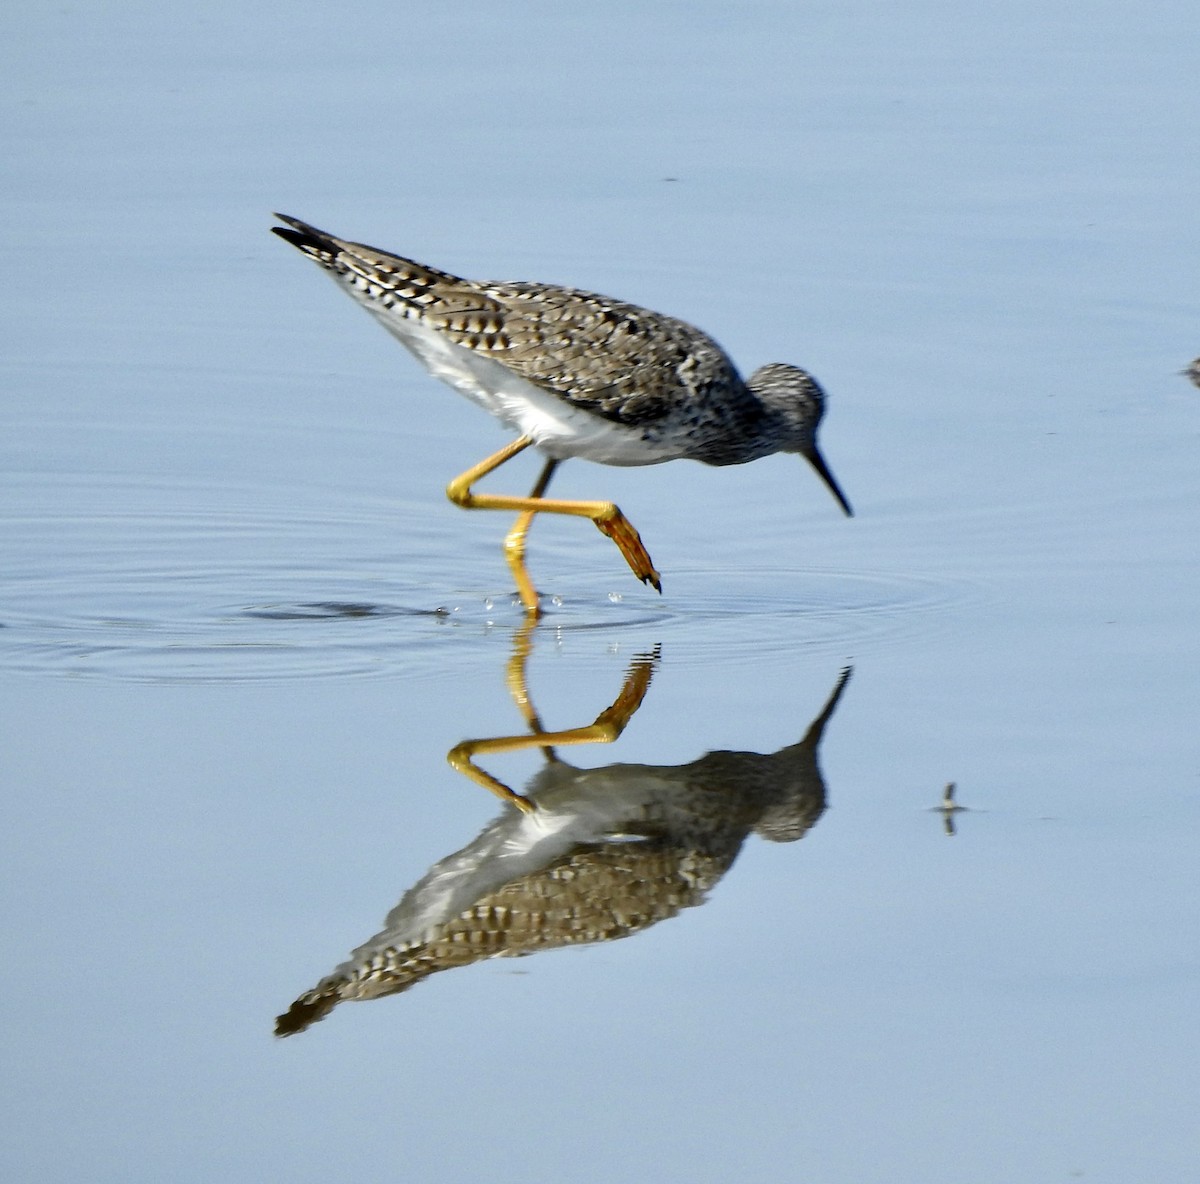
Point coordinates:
pixel 817 461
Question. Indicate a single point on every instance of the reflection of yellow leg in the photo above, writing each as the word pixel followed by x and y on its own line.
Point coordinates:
pixel 605 515
pixel 608 725
pixel 518 683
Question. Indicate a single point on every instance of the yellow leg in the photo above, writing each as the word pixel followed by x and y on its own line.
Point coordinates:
pixel 609 724
pixel 608 519
pixel 514 544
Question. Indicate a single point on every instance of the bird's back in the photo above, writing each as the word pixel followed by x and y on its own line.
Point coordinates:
pixel 650 375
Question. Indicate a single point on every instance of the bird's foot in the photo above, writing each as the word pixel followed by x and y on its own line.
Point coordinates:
pixel 629 543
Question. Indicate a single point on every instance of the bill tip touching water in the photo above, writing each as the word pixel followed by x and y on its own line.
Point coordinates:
pixel 576 374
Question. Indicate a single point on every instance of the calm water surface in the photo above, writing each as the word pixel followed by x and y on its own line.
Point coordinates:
pixel 241 629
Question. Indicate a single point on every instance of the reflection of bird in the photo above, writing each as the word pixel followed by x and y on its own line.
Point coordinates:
pixel 605 853
pixel 949 808
pixel 1193 372
pixel 576 374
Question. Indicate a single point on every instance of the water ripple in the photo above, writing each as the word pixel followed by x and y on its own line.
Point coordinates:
pixel 181 594
pixel 157 625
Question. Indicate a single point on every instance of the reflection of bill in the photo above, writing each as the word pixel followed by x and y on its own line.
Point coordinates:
pixel 585 855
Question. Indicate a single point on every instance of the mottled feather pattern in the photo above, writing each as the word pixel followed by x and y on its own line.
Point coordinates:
pixel 577 374
pixel 592 895
pixel 613 359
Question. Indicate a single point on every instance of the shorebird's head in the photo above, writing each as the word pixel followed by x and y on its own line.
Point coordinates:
pixel 797 398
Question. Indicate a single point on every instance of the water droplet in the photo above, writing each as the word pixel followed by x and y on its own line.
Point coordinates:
pixel 556 601
pixel 615 597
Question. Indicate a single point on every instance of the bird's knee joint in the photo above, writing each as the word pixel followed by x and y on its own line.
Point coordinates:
pixel 460 495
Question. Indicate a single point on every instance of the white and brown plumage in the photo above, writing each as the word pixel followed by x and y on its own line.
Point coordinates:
pixel 576 375
pixel 598 854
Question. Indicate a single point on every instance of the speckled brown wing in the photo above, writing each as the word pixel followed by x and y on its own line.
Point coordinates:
pixel 616 360
pixel 595 894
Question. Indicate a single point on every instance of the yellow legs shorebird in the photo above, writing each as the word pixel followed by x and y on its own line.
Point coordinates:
pixel 576 375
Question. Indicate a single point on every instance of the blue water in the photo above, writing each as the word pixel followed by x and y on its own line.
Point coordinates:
pixel 241 627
